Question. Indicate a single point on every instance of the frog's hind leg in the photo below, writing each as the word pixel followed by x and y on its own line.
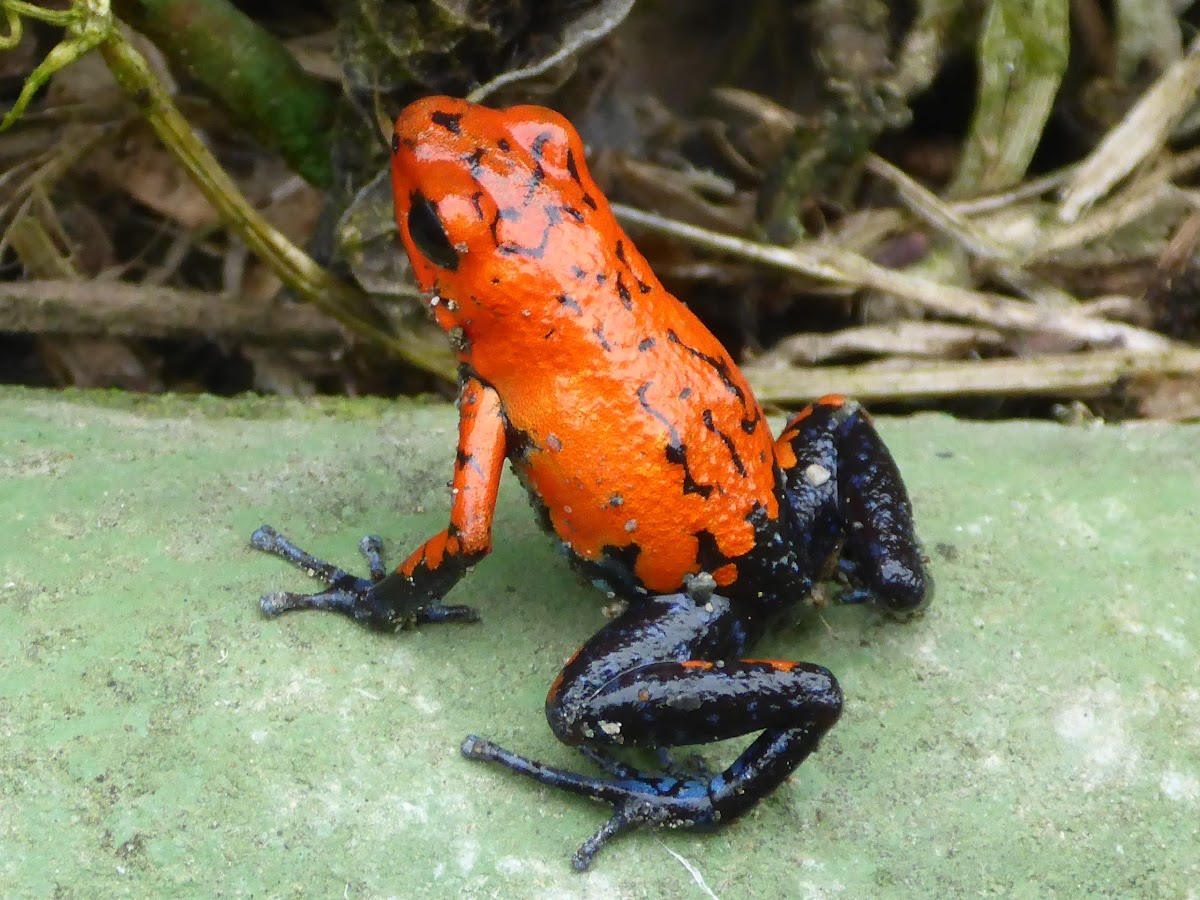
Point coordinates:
pixel 846 493
pixel 639 682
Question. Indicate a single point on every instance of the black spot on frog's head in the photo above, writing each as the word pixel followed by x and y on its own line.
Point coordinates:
pixel 452 122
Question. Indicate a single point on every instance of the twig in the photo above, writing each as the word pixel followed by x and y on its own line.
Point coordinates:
pixel 1053 374
pixel 1033 187
pixel 1140 134
pixel 844 267
pixel 120 309
pixel 1100 222
pixel 1141 196
pixel 937 340
pixel 942 216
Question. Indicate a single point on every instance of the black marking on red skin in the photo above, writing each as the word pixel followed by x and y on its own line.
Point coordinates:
pixel 477 202
pixel 573 213
pixel 645 344
pixel 571 303
pixel 475 160
pixel 751 425
pixel 548 334
pixel 395 143
pixel 685 393
pixel 573 171
pixel 537 148
pixel 503 214
pixel 721 366
pixel 623 293
pixel 431 581
pixel 708 552
pixel 676 451
pixel 707 416
pixel 450 121
pixel 519 444
pixel 535 182
pixel 615 568
pixel 463 459
pixel 504 145
pixel 642 286
pixel 601 278
pixel 520 447
pixel 678 456
pixel 598 331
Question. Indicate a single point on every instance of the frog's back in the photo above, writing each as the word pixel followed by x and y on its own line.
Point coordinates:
pixel 641 440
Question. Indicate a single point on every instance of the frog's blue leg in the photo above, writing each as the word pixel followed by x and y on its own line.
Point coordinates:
pixel 368 600
pixel 411 595
pixel 845 491
pixel 667 673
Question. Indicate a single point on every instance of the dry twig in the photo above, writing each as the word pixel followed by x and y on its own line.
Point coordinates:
pixel 120 309
pixel 1065 374
pixel 844 267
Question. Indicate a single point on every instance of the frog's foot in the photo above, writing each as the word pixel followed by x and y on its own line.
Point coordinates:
pixel 667 800
pixel 381 601
pixel 637 798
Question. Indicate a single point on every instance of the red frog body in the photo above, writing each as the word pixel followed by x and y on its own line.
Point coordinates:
pixel 645 452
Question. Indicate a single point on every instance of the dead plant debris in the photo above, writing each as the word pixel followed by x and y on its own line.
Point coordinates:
pixel 991 208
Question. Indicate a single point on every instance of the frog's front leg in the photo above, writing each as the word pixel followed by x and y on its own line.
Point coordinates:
pixel 665 674
pixel 846 495
pixel 411 594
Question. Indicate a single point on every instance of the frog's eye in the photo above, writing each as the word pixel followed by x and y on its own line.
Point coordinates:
pixel 429 235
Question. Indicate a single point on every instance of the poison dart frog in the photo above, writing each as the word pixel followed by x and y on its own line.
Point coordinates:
pixel 644 453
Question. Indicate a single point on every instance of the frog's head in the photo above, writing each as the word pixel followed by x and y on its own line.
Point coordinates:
pixel 494 207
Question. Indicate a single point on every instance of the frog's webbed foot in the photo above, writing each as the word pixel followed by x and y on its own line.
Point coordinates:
pixel 637 799
pixel 641 799
pixel 380 601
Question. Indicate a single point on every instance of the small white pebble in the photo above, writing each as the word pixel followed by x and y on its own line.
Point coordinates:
pixel 817 475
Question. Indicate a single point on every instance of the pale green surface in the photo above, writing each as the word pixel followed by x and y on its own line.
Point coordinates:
pixel 1037 733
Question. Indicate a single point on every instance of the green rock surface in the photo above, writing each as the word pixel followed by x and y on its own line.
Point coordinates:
pixel 1036 733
